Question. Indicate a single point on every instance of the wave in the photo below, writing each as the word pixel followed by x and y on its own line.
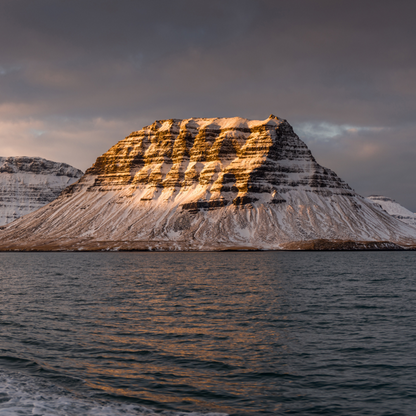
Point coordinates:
pixel 22 395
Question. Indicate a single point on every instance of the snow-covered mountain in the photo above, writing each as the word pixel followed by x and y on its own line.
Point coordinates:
pixel 393 208
pixel 28 183
pixel 208 184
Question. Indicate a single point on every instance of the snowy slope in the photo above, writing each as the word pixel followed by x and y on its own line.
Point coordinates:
pixel 393 208
pixel 27 184
pixel 206 184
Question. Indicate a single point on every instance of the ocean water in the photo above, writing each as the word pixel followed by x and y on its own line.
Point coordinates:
pixel 237 333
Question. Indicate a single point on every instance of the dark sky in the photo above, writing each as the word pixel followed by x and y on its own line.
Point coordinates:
pixel 77 76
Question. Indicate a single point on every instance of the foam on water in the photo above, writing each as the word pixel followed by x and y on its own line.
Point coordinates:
pixel 22 395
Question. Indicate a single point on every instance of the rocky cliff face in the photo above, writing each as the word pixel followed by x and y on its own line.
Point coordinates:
pixel 230 158
pixel 393 208
pixel 206 184
pixel 28 183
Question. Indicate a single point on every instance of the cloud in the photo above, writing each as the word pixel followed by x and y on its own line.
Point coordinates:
pixel 77 142
pixel 325 131
pixel 7 70
pixel 372 162
pixel 305 60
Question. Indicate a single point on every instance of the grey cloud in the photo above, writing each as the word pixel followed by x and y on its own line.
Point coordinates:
pixel 372 161
pixel 281 53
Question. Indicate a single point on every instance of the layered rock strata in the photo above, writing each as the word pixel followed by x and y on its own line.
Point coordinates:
pixel 206 184
pixel 29 183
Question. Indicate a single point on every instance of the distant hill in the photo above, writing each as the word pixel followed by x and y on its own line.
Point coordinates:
pixel 394 209
pixel 29 183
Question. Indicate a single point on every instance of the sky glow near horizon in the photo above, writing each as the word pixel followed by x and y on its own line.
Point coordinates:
pixel 77 77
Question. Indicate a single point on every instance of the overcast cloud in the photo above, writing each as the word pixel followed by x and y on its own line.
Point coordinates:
pixel 78 76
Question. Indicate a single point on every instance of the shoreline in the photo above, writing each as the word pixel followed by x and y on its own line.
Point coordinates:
pixel 164 246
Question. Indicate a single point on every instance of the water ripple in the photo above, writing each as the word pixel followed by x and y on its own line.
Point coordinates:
pixel 238 333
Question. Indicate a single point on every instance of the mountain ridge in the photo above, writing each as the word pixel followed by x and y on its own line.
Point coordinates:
pixel 28 183
pixel 394 209
pixel 207 184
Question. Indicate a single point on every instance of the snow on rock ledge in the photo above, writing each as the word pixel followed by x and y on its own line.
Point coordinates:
pixel 393 208
pixel 29 183
pixel 206 184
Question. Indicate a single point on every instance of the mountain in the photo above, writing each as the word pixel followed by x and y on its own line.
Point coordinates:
pixel 393 208
pixel 208 184
pixel 29 183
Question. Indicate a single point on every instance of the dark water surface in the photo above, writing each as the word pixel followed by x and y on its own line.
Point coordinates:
pixel 242 333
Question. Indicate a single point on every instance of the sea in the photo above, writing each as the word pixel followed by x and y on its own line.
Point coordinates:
pixel 227 333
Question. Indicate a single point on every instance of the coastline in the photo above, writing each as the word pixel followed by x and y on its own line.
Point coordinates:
pixel 168 246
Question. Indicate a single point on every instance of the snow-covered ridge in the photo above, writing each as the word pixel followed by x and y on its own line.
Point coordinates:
pixel 206 184
pixel 37 165
pixel 212 123
pixel 393 208
pixel 28 183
